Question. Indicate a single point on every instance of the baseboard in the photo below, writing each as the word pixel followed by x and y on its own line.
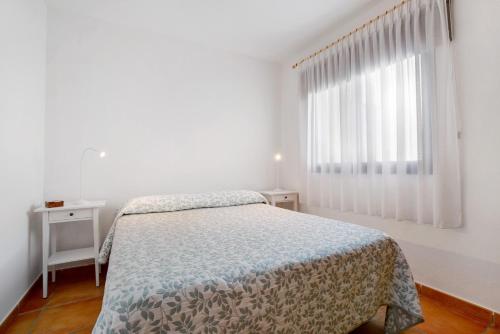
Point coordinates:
pixel 9 318
pixel 15 309
pixel 462 307
pixel 436 257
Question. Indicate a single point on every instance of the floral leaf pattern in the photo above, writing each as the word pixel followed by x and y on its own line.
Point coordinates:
pixel 251 268
pixel 179 202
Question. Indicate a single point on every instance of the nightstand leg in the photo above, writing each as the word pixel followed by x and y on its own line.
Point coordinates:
pixel 53 248
pixel 45 251
pixel 96 246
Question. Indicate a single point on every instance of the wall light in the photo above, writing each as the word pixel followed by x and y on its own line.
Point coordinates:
pixel 102 155
pixel 277 159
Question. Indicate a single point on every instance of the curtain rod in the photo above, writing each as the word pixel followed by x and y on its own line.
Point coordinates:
pixel 300 62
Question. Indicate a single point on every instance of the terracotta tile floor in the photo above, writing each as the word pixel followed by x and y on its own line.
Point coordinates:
pixel 74 304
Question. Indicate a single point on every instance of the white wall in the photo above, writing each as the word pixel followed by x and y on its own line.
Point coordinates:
pixel 173 116
pixel 464 262
pixel 22 106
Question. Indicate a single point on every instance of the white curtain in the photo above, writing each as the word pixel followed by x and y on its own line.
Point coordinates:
pixel 379 123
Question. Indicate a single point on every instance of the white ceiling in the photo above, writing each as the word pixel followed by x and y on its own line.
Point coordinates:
pixel 266 29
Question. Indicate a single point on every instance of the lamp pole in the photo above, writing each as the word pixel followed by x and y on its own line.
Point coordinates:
pixel 277 160
pixel 102 154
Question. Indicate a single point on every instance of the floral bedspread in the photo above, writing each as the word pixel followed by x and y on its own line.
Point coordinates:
pixel 249 268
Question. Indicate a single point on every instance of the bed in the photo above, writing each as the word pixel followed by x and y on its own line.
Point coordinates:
pixel 227 262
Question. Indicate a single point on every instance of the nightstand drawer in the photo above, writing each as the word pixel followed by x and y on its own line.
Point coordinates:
pixel 285 198
pixel 70 215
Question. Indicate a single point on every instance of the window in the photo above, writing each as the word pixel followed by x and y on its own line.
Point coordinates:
pixel 378 120
pixel 370 123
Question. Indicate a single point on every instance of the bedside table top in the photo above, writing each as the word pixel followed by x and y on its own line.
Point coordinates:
pixel 278 192
pixel 73 206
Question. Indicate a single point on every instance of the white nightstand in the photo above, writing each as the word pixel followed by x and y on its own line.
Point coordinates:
pixel 282 196
pixel 70 212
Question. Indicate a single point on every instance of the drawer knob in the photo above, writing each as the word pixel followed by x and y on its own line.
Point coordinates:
pixel 71 214
pixel 286 197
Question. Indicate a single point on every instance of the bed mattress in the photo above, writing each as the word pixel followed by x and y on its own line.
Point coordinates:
pixel 249 268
